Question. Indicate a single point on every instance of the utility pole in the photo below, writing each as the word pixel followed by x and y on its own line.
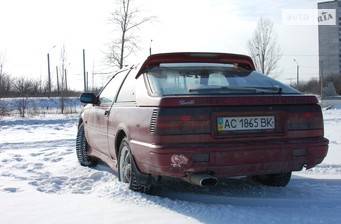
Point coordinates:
pixel 65 80
pixel 57 80
pixel 321 78
pixel 84 72
pixel 87 81
pixel 297 74
pixel 49 74
pixel 48 71
pixel 150 47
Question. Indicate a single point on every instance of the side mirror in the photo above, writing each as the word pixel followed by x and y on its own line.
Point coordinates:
pixel 88 98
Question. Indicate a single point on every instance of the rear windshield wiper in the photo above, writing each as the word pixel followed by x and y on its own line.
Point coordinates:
pixel 273 89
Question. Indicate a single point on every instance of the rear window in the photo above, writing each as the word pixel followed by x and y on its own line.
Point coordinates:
pixel 211 78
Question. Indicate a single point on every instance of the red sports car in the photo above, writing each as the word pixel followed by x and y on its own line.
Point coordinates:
pixel 199 117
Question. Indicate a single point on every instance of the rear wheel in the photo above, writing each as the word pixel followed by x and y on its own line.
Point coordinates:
pixel 127 171
pixel 82 149
pixel 274 180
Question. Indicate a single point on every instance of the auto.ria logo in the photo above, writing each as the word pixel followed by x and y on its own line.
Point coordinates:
pixel 326 16
pixel 318 17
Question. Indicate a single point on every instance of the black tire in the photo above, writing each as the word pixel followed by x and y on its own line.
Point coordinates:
pixel 82 149
pixel 126 169
pixel 274 180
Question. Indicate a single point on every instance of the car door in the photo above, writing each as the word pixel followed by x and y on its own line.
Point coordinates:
pixel 99 116
pixel 123 112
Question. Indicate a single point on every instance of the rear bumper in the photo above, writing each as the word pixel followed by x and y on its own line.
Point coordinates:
pixel 227 160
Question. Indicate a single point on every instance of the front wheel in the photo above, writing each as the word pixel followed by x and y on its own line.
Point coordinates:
pixel 82 149
pixel 127 171
pixel 274 180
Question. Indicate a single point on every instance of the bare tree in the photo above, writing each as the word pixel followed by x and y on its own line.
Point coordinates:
pixel 127 18
pixel 6 81
pixel 2 61
pixel 2 89
pixel 334 79
pixel 24 87
pixel 62 89
pixel 63 64
pixel 311 86
pixel 264 48
pixel 6 85
pixel 2 73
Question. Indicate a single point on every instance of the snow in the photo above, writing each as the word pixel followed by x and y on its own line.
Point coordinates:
pixel 42 182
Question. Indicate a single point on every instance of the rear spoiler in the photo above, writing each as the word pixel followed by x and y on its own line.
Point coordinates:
pixel 188 57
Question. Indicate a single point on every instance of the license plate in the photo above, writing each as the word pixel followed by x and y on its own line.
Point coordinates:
pixel 245 123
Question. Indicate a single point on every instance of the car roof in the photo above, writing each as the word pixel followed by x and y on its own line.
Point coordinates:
pixel 243 61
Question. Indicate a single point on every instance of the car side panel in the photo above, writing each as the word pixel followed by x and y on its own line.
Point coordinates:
pixel 95 124
pixel 134 122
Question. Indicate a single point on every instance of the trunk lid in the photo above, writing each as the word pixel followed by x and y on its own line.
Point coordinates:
pixel 239 116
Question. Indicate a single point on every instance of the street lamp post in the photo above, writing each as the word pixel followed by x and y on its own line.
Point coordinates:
pixel 48 70
pixel 298 74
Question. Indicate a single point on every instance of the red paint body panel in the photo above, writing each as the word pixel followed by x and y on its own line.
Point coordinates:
pixel 227 160
pixel 242 60
pixel 237 101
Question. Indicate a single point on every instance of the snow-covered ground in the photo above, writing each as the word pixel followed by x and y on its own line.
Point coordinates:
pixel 42 182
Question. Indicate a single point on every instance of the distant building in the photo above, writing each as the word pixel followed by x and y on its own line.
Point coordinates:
pixel 329 38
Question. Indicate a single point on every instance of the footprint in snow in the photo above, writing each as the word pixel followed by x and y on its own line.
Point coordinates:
pixel 11 189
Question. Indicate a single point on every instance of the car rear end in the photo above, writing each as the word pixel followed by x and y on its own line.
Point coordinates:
pixel 196 138
pixel 219 118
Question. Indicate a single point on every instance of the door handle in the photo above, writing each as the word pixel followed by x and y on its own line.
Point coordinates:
pixel 106 113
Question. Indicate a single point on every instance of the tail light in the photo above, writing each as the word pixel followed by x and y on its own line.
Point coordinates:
pixel 305 121
pixel 177 122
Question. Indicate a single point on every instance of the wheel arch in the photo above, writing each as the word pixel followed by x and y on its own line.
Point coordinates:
pixel 141 182
pixel 80 121
pixel 119 137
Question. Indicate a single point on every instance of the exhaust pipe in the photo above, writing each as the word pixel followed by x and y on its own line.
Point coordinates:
pixel 203 180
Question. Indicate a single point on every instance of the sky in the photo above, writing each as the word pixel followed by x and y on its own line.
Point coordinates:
pixel 31 29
